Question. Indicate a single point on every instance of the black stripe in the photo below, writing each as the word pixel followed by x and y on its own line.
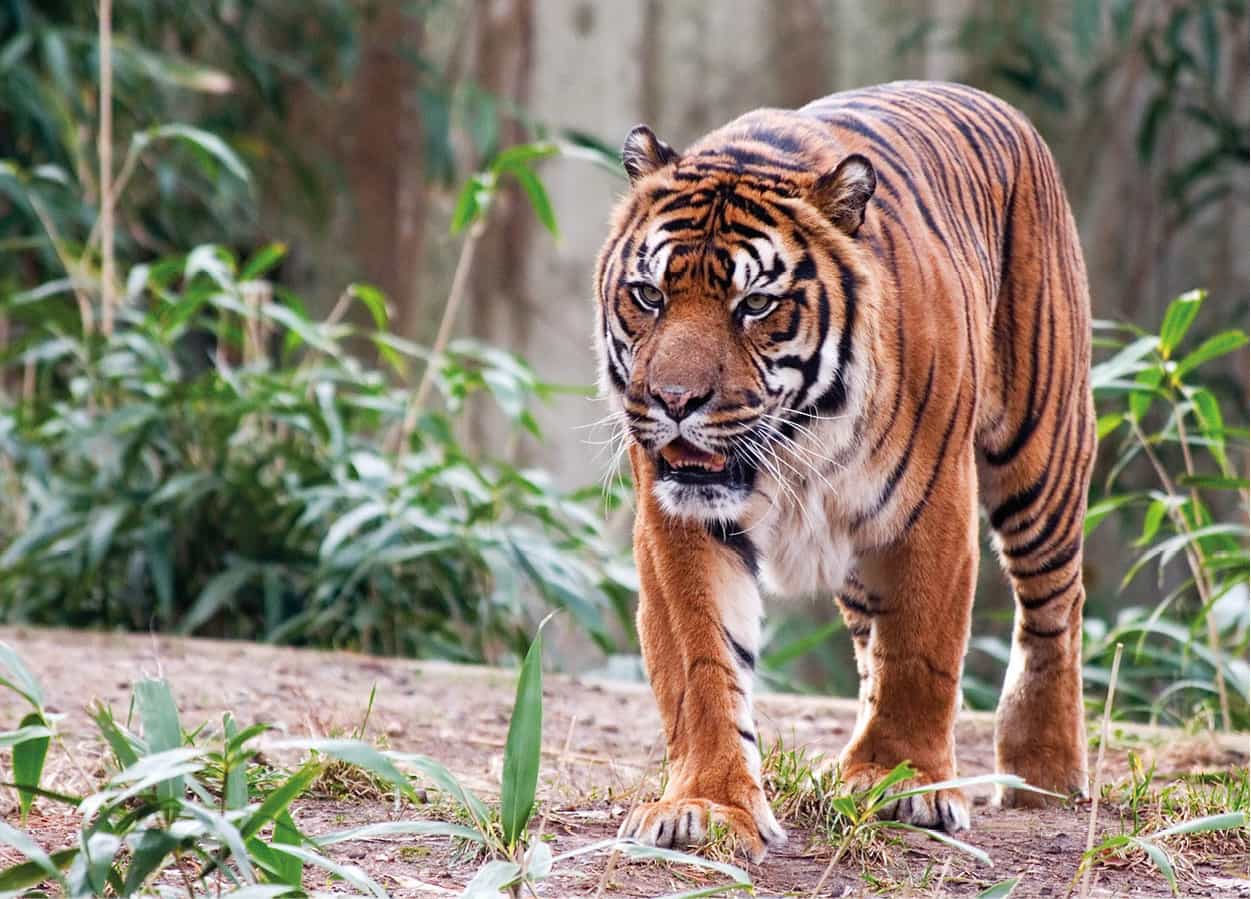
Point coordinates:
pixel 745 655
pixel 856 606
pixel 1052 565
pixel 1037 602
pixel 730 535
pixel 897 473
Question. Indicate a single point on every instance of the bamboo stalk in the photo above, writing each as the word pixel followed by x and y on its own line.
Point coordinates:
pixel 1096 785
pixel 455 298
pixel 1204 588
pixel 105 149
pixel 1194 559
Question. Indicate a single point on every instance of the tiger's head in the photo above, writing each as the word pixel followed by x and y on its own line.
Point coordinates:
pixel 729 292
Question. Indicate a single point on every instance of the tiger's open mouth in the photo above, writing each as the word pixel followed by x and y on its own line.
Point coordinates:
pixel 686 463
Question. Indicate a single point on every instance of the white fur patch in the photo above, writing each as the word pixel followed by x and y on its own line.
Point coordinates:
pixel 700 502
pixel 806 549
pixel 741 612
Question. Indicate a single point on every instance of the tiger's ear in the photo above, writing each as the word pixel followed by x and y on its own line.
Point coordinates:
pixel 643 153
pixel 843 193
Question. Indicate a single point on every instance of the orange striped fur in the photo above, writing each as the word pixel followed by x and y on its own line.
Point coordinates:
pixel 830 333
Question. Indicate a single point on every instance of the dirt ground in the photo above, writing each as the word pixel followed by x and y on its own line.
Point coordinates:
pixel 459 715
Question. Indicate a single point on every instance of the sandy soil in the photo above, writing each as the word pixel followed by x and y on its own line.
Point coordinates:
pixel 459 715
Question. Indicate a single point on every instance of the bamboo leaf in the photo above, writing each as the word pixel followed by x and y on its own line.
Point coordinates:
pixel 161 728
pixel 210 143
pixel 1001 890
pixel 1178 318
pixel 262 261
pixel 940 836
pixel 30 873
pixel 351 874
pixel 539 200
pixel 401 828
pixel 1225 821
pixel 1159 857
pixel 151 850
pixel 491 880
pixel 1212 348
pixel 357 753
pixel 17 677
pixel 280 798
pixel 28 761
pixel 523 747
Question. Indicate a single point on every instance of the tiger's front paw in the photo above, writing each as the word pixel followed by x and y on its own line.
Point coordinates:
pixel 938 809
pixel 680 823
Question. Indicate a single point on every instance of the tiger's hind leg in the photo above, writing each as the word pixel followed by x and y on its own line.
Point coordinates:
pixel 1040 731
pixel 1037 442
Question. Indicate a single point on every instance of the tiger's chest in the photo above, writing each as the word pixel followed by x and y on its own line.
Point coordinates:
pixel 804 545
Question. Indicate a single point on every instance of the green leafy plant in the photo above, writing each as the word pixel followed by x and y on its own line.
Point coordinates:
pixel 213 464
pixel 177 800
pixel 201 807
pixel 1001 890
pixel 234 74
pixel 30 742
pixel 1173 426
pixel 1183 819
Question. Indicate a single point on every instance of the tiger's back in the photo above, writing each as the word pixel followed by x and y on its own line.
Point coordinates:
pixel 828 329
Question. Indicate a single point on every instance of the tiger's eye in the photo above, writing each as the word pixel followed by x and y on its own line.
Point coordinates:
pixel 757 303
pixel 648 296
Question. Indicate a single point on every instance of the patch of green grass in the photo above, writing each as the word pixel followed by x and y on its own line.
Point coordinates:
pixel 800 784
pixel 808 792
pixel 1175 823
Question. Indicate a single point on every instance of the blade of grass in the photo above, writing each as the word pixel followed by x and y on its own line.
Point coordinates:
pixel 161 727
pixel 28 759
pixel 523 747
pixel 1225 821
pixel 348 873
pixel 29 873
pixel 1160 858
pixel 940 836
pixel 22 842
pixel 148 854
pixel 1001 890
pixel 393 828
pixel 447 782
pixel 491 880
pixel 636 850
pixel 234 770
pixel 280 798
pixel 121 742
pixel 355 752
pixel 1007 780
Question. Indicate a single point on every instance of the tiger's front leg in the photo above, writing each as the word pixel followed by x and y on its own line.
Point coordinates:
pixel 915 602
pixel 699 627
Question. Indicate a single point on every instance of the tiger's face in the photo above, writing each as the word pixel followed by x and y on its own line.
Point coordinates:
pixel 728 299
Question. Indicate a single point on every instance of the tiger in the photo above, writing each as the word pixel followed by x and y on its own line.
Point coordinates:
pixel 832 336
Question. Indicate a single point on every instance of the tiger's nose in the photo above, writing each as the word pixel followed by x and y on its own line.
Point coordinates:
pixel 679 401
